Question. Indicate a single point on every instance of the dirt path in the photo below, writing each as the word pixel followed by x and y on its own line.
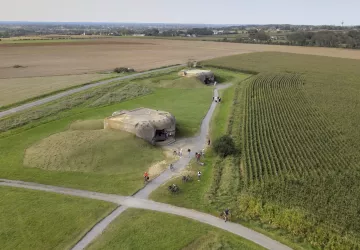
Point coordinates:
pixel 133 202
pixel 76 90
pixel 139 200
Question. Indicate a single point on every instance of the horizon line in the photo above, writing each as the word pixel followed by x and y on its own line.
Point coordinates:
pixel 209 24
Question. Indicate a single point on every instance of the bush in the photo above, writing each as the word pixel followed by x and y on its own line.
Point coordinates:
pixel 224 146
pixel 18 66
pixel 123 70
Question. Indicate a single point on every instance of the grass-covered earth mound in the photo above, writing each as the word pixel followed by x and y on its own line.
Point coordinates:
pixel 106 151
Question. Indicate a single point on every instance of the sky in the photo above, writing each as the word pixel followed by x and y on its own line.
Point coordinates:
pixel 316 12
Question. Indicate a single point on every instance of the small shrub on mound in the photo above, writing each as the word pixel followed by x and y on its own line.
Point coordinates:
pixel 17 66
pixel 224 146
pixel 123 70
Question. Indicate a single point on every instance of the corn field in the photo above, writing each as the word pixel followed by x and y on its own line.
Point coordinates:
pixel 284 134
pixel 297 123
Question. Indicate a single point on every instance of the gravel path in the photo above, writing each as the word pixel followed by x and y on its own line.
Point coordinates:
pixel 130 201
pixel 139 200
pixel 76 90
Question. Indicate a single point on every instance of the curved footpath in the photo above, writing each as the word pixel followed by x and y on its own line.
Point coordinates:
pixel 76 90
pixel 140 199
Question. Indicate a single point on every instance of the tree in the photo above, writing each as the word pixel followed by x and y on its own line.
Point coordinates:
pixel 151 32
pixel 200 31
pixel 224 146
pixel 262 36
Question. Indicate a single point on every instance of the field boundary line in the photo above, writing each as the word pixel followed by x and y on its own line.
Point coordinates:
pixel 79 89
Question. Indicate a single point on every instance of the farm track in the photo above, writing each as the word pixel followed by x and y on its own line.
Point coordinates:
pixel 76 90
pixel 140 199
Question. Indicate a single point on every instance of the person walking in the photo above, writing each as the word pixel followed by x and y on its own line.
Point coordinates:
pixel 226 214
pixel 209 142
pixel 146 177
pixel 198 155
pixel 180 152
pixel 189 151
pixel 199 175
pixel 203 152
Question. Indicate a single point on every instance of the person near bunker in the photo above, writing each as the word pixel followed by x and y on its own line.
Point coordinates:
pixel 189 151
pixel 197 155
pixel 199 175
pixel 146 176
pixel 226 214
pixel 180 152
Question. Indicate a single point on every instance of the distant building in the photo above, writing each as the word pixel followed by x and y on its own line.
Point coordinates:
pixel 218 32
pixel 138 34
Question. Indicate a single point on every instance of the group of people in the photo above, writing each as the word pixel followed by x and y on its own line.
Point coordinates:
pixel 217 99
pixel 199 155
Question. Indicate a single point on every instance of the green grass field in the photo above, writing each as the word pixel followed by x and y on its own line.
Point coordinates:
pixel 41 148
pixel 141 229
pixel 39 220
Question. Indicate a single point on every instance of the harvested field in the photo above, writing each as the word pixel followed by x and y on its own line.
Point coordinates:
pixel 18 89
pixel 142 54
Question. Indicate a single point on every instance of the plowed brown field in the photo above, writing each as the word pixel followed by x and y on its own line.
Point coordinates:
pixel 46 59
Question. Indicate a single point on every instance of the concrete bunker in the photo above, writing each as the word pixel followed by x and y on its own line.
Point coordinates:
pixel 154 126
pixel 206 76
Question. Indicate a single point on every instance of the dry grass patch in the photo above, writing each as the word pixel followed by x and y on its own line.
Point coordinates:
pixel 87 125
pixel 101 151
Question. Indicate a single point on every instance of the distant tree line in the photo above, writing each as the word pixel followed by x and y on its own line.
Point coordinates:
pixel 335 39
pixel 200 32
pixel 349 39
